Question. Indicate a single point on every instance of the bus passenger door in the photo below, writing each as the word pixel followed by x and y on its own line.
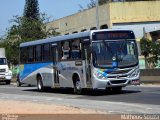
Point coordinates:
pixel 55 69
pixel 87 56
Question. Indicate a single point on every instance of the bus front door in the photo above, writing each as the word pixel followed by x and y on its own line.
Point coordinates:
pixel 55 69
pixel 87 53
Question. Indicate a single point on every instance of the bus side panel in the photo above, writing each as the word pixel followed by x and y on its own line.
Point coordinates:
pixel 47 75
pixel 67 69
pixel 25 74
pixel 28 73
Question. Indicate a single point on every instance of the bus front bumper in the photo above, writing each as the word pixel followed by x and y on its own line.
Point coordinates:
pixel 103 84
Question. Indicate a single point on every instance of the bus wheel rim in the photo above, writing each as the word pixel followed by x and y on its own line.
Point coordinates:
pixel 39 85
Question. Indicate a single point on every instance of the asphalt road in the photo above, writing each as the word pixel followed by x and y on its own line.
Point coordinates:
pixel 144 99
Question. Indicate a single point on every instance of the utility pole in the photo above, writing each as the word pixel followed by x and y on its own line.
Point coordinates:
pixel 97 14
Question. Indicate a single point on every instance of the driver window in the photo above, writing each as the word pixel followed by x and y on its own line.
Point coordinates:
pixel 130 48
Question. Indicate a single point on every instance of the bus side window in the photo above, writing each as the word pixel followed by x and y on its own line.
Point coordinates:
pixel 38 56
pixel 46 52
pixel 23 55
pixel 76 49
pixel 31 54
pixel 65 50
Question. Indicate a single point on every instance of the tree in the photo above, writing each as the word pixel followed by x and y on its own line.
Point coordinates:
pixel 151 52
pixel 31 10
pixel 32 26
pixel 32 29
pixel 93 3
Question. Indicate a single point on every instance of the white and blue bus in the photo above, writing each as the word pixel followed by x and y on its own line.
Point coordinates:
pixel 98 59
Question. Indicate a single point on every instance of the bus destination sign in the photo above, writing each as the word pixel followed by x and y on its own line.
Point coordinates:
pixel 113 35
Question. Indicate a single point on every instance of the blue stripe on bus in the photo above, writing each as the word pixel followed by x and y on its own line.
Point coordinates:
pixel 28 69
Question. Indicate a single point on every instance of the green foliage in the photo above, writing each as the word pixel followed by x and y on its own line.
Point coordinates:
pixel 31 24
pixel 93 3
pixel 151 52
pixel 31 10
pixel 32 29
pixel 145 46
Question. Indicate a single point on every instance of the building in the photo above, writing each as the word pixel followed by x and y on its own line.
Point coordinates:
pixel 141 16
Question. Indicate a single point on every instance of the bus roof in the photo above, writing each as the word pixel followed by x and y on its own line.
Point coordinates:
pixel 66 37
pixel 55 39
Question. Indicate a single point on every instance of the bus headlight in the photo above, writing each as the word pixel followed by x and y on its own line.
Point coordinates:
pixel 135 73
pixel 100 75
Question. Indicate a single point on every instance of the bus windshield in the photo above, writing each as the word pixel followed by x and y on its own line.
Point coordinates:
pixel 3 61
pixel 114 53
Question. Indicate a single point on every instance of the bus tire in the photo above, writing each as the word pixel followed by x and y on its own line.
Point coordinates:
pixel 40 86
pixel 77 86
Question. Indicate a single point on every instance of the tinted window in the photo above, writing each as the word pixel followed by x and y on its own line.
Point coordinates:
pixel 31 54
pixel 24 55
pixel 38 53
pixel 46 52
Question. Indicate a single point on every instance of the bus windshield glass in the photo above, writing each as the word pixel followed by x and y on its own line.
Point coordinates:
pixel 3 61
pixel 115 53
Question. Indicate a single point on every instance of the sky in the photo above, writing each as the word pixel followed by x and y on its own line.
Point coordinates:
pixel 53 8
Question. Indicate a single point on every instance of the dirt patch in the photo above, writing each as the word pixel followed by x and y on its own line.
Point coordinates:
pixel 21 107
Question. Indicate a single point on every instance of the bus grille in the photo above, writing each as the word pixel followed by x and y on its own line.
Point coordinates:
pixel 2 70
pixel 121 76
pixel 118 81
pixel 120 72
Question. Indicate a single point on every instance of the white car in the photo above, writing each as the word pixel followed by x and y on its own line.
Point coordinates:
pixel 5 73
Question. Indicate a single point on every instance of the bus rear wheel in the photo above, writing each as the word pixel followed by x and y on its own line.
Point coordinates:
pixel 77 86
pixel 40 84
